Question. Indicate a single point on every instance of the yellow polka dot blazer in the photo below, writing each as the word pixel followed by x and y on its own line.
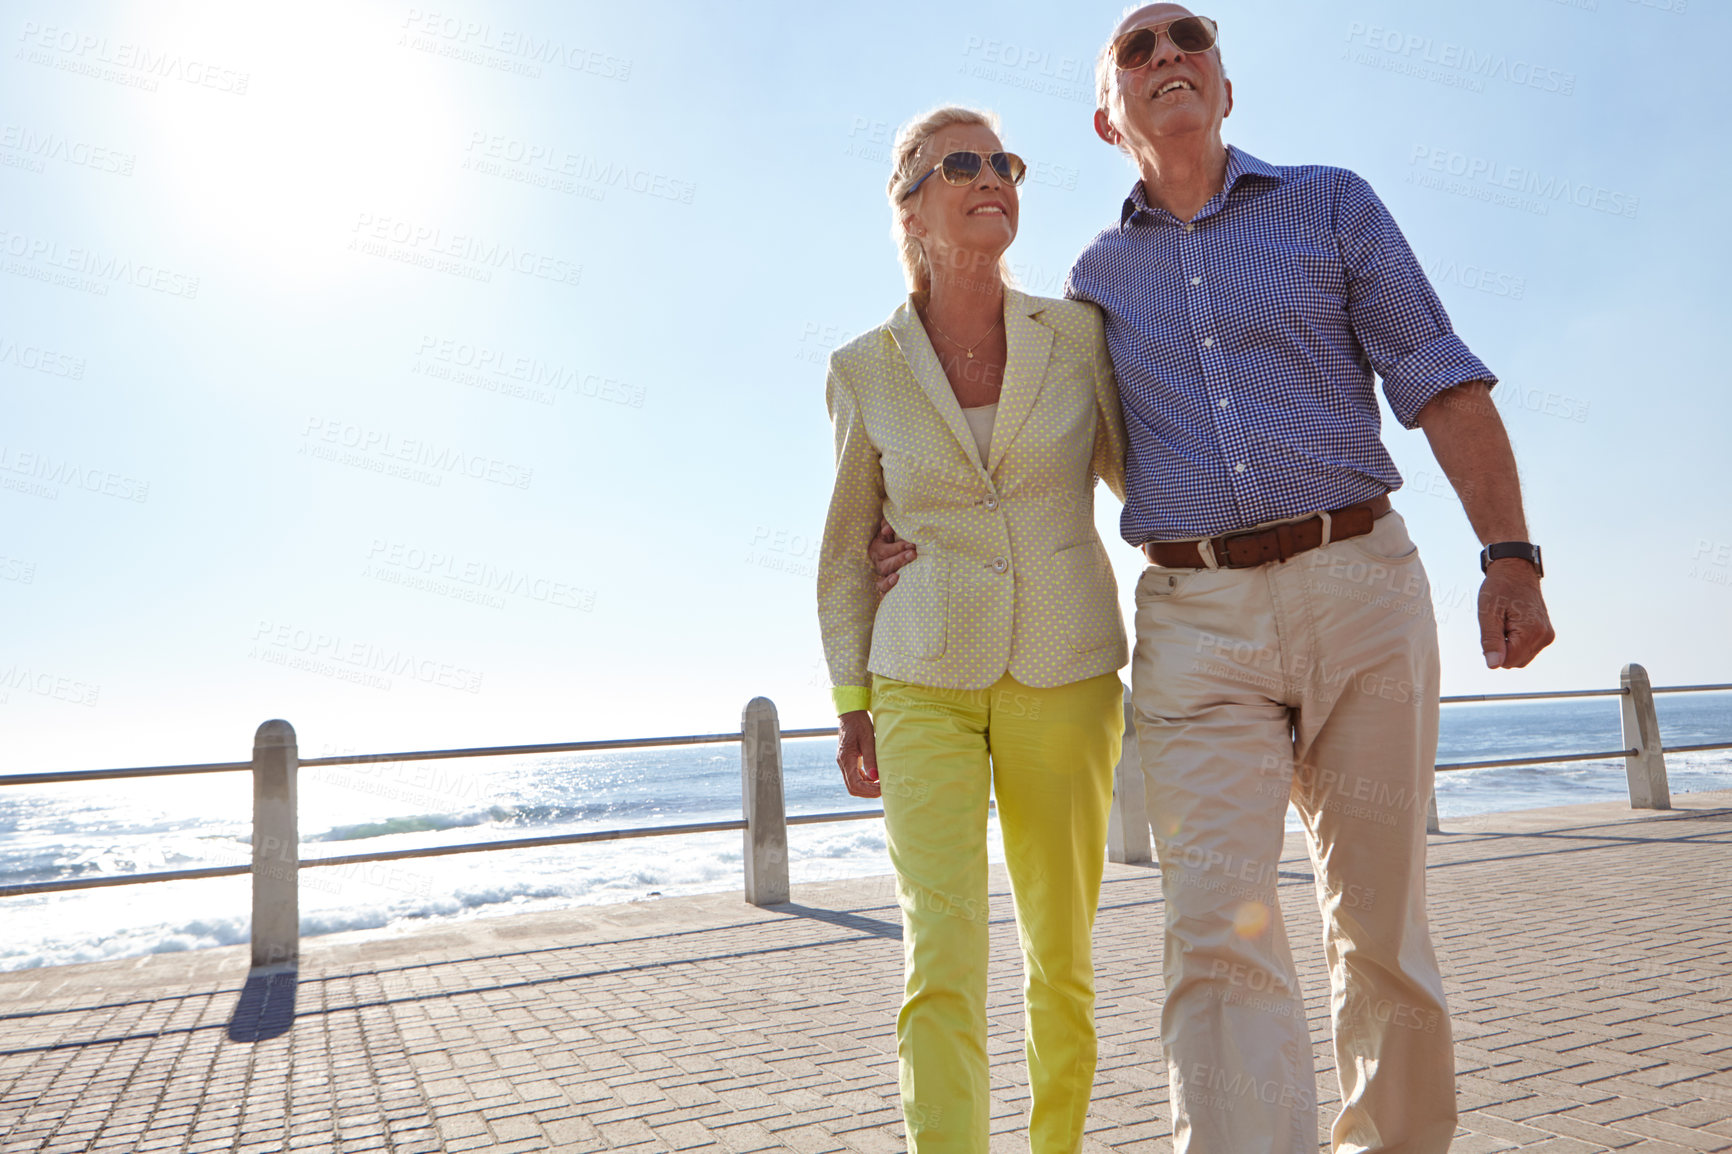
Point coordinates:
pixel 1011 575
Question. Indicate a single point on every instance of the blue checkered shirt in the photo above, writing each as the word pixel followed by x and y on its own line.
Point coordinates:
pixel 1245 342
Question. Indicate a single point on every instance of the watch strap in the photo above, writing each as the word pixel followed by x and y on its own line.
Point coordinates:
pixel 1526 550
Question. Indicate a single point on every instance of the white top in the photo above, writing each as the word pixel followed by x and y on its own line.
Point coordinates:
pixel 980 421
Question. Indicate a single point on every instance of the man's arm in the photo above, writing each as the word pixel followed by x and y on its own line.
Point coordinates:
pixel 1468 438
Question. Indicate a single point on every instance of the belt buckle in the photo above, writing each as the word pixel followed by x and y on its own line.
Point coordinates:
pixel 1225 553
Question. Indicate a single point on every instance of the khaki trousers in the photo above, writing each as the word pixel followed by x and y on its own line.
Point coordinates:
pixel 1313 680
pixel 1047 755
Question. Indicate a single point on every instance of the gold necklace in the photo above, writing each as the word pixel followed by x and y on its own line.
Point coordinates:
pixel 969 349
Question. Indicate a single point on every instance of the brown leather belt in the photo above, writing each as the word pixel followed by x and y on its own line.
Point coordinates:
pixel 1276 543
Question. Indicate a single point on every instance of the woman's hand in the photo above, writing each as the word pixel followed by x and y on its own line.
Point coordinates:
pixel 888 554
pixel 857 753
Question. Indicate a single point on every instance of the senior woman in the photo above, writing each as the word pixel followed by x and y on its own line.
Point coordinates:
pixel 975 421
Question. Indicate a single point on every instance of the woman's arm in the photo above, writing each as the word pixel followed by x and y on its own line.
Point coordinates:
pixel 847 598
pixel 1109 455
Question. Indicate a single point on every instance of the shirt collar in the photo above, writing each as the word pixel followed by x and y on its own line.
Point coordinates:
pixel 1240 164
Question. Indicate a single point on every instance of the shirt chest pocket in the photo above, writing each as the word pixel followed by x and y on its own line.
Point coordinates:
pixel 1313 275
pixel 1292 283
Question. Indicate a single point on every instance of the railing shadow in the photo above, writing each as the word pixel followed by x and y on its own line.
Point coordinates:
pixel 859 923
pixel 266 1007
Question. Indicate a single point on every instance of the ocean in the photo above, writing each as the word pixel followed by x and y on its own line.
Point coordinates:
pixel 116 827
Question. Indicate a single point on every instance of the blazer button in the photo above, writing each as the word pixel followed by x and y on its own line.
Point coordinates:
pixel 1000 565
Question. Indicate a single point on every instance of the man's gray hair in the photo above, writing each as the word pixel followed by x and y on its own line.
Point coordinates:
pixel 1104 68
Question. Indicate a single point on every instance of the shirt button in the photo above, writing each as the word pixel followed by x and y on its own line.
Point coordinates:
pixel 1239 468
pixel 1190 228
pixel 1224 402
pixel 1000 565
pixel 1196 280
pixel 1208 342
pixel 991 502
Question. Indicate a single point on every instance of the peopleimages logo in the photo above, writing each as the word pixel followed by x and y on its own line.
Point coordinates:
pixel 38 147
pixel 333 655
pixel 41 360
pixel 1477 277
pixel 53 685
pixel 428 568
pixel 351 444
pixel 51 471
pixel 463 253
pixel 544 165
pixel 135 65
pixel 1033 69
pixel 517 374
pixel 1482 178
pixel 88 269
pixel 509 49
pixel 1443 54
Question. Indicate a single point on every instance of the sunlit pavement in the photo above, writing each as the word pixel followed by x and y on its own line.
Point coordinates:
pixel 1587 953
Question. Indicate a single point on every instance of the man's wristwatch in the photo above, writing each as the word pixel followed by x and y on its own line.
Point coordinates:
pixel 1522 549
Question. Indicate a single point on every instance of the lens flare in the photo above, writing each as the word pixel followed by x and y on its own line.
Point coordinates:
pixel 1251 919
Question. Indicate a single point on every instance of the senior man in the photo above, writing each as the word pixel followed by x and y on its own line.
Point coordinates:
pixel 1286 646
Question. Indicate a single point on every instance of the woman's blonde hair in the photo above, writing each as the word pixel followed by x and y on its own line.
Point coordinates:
pixel 910 139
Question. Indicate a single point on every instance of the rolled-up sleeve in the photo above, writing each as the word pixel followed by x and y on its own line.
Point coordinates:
pixel 847 586
pixel 1393 310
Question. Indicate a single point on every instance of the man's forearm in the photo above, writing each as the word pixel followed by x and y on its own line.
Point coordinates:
pixel 1470 443
pixel 1472 447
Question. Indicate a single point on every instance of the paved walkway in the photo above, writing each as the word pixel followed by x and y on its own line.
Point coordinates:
pixel 1587 953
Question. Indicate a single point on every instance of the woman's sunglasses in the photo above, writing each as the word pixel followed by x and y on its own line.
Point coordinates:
pixel 1190 35
pixel 962 168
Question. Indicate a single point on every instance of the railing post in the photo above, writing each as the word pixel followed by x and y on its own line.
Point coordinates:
pixel 1645 767
pixel 276 847
pixel 766 833
pixel 1128 823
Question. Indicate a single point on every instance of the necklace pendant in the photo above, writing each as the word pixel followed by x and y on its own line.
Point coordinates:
pixel 971 354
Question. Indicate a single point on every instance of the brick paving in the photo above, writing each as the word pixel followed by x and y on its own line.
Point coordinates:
pixel 1587 955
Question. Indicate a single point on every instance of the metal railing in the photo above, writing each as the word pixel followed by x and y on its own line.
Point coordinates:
pixel 1643 753
pixel 276 862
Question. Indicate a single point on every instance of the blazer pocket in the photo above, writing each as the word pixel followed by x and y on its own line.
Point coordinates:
pixel 914 617
pixel 1091 596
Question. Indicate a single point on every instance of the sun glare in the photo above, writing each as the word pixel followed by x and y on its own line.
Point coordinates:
pixel 335 123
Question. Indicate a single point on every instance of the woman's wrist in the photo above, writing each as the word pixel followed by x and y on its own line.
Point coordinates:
pixel 849 698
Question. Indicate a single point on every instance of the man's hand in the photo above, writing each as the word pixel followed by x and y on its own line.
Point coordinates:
pixel 1513 623
pixel 1468 438
pixel 857 753
pixel 888 554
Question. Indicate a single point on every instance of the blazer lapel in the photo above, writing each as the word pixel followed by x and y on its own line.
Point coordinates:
pixel 1029 344
pixel 910 336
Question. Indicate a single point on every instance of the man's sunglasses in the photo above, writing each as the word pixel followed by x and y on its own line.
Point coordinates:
pixel 962 168
pixel 1190 35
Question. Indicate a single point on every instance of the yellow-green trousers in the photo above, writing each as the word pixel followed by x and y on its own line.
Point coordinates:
pixel 1047 755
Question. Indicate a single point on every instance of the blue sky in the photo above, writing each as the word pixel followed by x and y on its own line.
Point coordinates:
pixel 446 376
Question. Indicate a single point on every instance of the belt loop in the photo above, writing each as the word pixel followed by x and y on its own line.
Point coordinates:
pixel 1328 528
pixel 1206 550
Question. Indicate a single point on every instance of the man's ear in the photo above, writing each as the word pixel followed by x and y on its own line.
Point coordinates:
pixel 1229 111
pixel 1104 126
